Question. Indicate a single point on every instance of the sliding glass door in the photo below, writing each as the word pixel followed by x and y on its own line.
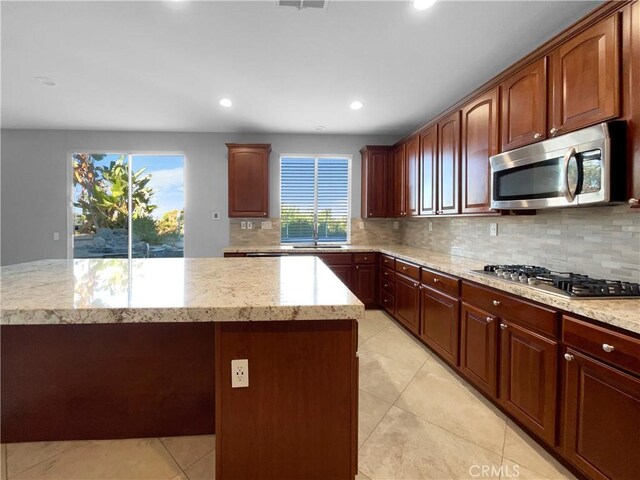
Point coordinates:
pixel 128 206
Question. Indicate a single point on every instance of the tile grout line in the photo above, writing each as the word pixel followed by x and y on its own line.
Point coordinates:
pixel 504 442
pixel 176 461
pixel 82 442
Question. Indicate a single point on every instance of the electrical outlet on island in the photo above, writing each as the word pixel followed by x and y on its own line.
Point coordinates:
pixel 240 373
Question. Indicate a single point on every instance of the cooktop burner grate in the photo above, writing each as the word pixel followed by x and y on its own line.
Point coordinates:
pixel 566 284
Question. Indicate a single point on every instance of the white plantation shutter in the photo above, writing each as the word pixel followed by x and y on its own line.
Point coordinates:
pixel 314 190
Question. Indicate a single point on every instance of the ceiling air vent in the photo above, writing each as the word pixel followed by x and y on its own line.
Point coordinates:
pixel 300 4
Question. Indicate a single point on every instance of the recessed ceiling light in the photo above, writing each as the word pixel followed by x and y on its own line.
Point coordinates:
pixel 225 102
pixel 356 105
pixel 423 4
pixel 46 81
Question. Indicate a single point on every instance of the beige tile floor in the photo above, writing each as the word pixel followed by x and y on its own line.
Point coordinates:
pixel 418 420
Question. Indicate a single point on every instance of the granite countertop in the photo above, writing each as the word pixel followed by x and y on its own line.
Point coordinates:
pixel 623 313
pixel 173 290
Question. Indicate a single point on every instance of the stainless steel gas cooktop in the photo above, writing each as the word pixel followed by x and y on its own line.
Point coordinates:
pixel 563 284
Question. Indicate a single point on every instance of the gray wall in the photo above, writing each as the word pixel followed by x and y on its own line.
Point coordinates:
pixel 36 181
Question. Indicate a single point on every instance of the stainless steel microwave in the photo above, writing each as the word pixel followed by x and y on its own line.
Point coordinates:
pixel 585 167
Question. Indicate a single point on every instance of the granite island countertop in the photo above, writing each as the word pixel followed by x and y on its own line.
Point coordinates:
pixel 173 290
pixel 623 313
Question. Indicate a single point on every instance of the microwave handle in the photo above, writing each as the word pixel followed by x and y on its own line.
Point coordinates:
pixel 568 193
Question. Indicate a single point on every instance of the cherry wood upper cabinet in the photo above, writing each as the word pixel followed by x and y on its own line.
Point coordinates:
pixel 374 181
pixel 399 181
pixel 479 142
pixel 248 179
pixel 412 147
pixel 524 106
pixel 428 170
pixel 586 78
pixel 449 164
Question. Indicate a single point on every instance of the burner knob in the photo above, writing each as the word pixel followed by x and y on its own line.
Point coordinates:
pixel 607 348
pixel 496 303
pixel 532 281
pixel 523 279
pixel 514 276
pixel 568 357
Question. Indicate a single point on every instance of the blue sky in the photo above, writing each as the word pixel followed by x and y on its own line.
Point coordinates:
pixel 167 179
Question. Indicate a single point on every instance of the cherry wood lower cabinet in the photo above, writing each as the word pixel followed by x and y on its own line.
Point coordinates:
pixel 344 273
pixel 439 322
pixel 601 418
pixel 528 378
pixel 407 302
pixel 479 348
pixel 296 419
pixel 364 283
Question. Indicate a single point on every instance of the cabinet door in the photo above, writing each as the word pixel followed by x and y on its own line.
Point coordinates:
pixel 343 272
pixel 479 142
pixel 479 348
pixel 399 182
pixel 439 323
pixel 428 170
pixel 524 106
pixel 601 418
pixel 248 180
pixel 407 302
pixel 374 182
pixel 364 284
pixel 411 190
pixel 586 78
pixel 449 165
pixel 528 378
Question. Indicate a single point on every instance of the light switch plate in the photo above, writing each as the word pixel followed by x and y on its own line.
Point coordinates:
pixel 396 225
pixel 266 225
pixel 493 229
pixel 430 226
pixel 243 225
pixel 249 225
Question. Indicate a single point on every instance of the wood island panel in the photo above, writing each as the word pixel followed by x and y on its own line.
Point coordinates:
pixel 82 382
pixel 298 416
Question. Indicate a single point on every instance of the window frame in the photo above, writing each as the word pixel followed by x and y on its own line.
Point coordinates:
pixel 316 157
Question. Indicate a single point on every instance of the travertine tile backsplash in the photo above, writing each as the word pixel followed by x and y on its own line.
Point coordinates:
pixel 377 231
pixel 602 241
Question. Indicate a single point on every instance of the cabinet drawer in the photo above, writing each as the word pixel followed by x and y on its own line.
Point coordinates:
pixel 336 258
pixel 593 339
pixel 441 281
pixel 387 261
pixel 408 269
pixel 386 300
pixel 364 258
pixel 508 307
pixel 387 275
pixel 387 286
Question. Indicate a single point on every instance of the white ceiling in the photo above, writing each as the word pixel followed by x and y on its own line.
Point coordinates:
pixel 163 65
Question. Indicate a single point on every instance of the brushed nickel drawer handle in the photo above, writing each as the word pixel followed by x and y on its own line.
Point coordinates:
pixel 435 280
pixel 568 357
pixel 503 326
pixel 489 319
pixel 553 131
pixel 537 136
pixel 607 348
pixel 404 268
pixel 386 301
pixel 496 303
pixel 415 284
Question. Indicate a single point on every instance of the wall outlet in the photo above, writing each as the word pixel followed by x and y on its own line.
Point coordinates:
pixel 243 225
pixel 266 225
pixel 56 236
pixel 249 225
pixel 360 225
pixel 430 226
pixel 396 225
pixel 240 373
pixel 493 229
pixel 216 216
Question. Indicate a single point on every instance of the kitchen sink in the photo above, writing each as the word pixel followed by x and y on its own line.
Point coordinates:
pixel 319 246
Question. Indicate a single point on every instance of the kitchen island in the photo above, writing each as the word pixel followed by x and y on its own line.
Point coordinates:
pixel 122 349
